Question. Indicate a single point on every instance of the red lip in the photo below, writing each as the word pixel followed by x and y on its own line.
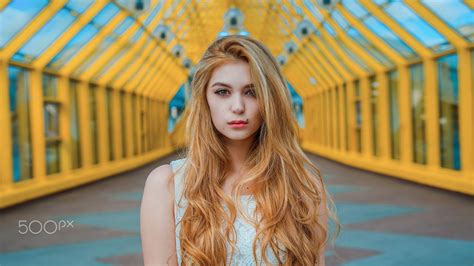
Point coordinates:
pixel 237 122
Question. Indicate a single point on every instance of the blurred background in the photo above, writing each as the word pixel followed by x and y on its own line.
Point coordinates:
pixel 92 95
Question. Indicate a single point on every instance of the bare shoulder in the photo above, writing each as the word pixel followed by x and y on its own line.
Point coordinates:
pixel 157 227
pixel 159 176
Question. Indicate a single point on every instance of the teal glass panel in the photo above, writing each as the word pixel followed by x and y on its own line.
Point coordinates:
pixel 20 123
pixel 456 14
pixel 314 10
pixel 125 50
pixel 104 45
pixel 51 109
pixel 360 39
pixel 377 27
pixel 448 85
pixel 83 37
pixel 419 28
pixel 16 15
pixel 46 36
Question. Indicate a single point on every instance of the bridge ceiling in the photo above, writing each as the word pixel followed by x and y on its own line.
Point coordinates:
pixel 149 47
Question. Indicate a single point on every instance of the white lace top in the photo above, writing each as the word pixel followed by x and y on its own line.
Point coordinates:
pixel 245 232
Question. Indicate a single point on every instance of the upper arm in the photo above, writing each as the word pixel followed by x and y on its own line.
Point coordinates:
pixel 157 227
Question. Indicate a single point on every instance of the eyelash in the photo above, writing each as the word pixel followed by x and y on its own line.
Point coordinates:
pixel 218 92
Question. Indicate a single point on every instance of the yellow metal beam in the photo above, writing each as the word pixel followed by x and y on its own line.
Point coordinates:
pixel 290 75
pixel 102 125
pixel 355 47
pixel 330 69
pixel 6 164
pixel 84 123
pixel 30 29
pixel 383 112
pixel 331 58
pixel 431 112
pixel 406 125
pixel 113 50
pixel 140 49
pixel 380 14
pixel 87 50
pixel 4 4
pixel 469 3
pixel 121 43
pixel 378 42
pixel 311 71
pixel 133 69
pixel 332 44
pixel 38 143
pixel 466 110
pixel 366 132
pixel 453 36
pixel 65 125
pixel 45 57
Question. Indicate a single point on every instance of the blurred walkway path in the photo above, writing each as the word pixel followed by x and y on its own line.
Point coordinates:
pixel 386 221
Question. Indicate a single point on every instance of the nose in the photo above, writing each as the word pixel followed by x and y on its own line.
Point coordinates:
pixel 237 105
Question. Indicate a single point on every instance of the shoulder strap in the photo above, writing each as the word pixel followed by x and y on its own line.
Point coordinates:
pixel 177 167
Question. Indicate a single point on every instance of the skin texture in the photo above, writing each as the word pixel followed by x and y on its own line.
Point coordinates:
pixel 230 96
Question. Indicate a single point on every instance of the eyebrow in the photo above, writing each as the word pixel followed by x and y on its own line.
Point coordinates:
pixel 251 86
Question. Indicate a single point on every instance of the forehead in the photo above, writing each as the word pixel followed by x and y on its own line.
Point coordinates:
pixel 235 73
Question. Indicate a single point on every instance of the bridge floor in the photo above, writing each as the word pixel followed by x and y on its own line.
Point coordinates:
pixel 386 221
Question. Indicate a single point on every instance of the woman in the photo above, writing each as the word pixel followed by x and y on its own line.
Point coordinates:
pixel 245 185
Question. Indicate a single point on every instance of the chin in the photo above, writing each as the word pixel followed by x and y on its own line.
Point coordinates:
pixel 237 136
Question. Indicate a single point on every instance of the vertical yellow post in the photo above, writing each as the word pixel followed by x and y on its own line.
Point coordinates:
pixel 342 118
pixel 431 113
pixel 117 124
pixel 406 126
pixel 37 126
pixel 84 122
pixel 383 108
pixel 128 122
pixel 102 125
pixel 6 164
pixel 64 124
pixel 144 123
pixel 366 130
pixel 351 119
pixel 466 110
pixel 334 118
pixel 138 126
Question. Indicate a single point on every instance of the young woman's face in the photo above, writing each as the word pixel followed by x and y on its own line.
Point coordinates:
pixel 231 98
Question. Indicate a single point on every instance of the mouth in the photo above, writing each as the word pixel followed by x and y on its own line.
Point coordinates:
pixel 238 123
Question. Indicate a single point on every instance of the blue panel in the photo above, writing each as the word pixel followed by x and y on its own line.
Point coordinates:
pixel 46 36
pixel 79 6
pixel 456 14
pixel 83 36
pixel 421 30
pixel 16 15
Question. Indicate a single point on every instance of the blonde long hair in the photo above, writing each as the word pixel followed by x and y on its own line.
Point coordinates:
pixel 286 186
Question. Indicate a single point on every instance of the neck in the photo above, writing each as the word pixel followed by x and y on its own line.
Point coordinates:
pixel 238 150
